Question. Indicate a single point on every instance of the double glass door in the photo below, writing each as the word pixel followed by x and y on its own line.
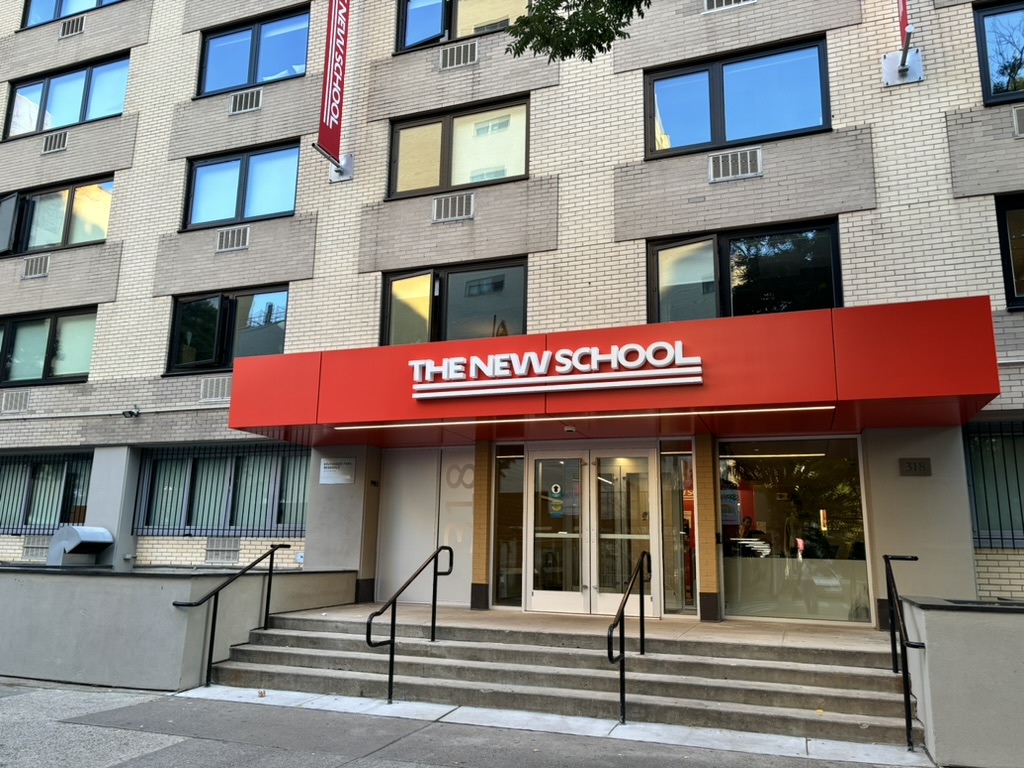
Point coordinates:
pixel 589 516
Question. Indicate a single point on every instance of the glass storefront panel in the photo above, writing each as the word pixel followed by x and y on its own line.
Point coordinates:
pixel 509 482
pixel 678 529
pixel 793 530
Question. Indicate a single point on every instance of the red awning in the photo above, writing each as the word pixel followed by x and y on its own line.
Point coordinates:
pixel 840 371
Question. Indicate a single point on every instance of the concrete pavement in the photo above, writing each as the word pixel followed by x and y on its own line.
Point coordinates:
pixel 45 724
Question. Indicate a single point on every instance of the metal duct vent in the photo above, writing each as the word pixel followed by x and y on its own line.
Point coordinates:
pixel 233 239
pixel 35 547
pixel 15 401
pixel 716 5
pixel 55 142
pixel 246 101
pixel 453 207
pixel 36 266
pixel 222 549
pixel 741 164
pixel 71 27
pixel 215 389
pixel 1018 121
pixel 461 55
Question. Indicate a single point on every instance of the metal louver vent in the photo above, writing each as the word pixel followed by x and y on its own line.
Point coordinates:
pixel 35 547
pixel 717 5
pixel 460 55
pixel 15 401
pixel 246 101
pixel 55 142
pixel 234 239
pixel 741 164
pixel 36 266
pixel 71 27
pixel 215 389
pixel 453 207
pixel 222 549
pixel 1018 121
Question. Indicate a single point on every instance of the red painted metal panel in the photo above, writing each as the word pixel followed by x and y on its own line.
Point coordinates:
pixel 275 390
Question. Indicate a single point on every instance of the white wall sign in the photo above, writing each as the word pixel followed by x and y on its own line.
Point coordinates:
pixel 337 471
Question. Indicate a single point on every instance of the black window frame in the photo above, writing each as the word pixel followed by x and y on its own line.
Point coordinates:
pixel 227 312
pixel 16 215
pixel 980 14
pixel 447 121
pixel 243 175
pixel 59 15
pixel 46 79
pixel 446 36
pixel 74 486
pixel 722 239
pixel 439 299
pixel 1005 203
pixel 7 342
pixel 254 56
pixel 714 68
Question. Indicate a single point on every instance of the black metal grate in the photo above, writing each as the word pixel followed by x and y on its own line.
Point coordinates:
pixel 223 490
pixel 995 477
pixel 41 492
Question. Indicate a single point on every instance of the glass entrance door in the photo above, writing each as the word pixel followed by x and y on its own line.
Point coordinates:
pixel 590 516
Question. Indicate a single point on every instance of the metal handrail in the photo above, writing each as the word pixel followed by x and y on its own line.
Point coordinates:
pixel 215 594
pixel 896 621
pixel 393 603
pixel 620 622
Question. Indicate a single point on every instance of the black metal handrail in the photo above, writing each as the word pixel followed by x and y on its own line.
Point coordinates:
pixel 215 594
pixel 393 603
pixel 896 622
pixel 620 622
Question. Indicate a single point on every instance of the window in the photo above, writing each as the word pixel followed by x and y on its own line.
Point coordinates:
pixel 460 149
pixel 224 490
pixel 257 53
pixel 249 185
pixel 41 11
pixel 46 348
pixel 210 331
pixel 55 218
pixel 995 478
pixel 422 22
pixel 1001 44
pixel 745 273
pixel 1010 214
pixel 463 302
pixel 40 493
pixel 69 98
pixel 753 97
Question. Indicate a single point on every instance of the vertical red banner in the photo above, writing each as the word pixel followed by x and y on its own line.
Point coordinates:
pixel 904 21
pixel 329 139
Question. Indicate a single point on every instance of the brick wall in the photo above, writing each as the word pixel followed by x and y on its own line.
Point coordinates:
pixel 1000 573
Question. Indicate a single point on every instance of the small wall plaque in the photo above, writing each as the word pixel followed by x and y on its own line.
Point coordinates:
pixel 915 467
pixel 337 471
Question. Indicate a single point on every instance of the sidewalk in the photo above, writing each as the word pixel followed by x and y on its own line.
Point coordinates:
pixel 45 724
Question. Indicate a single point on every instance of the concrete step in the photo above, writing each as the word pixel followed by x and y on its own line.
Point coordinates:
pixel 672 664
pixel 811 723
pixel 606 678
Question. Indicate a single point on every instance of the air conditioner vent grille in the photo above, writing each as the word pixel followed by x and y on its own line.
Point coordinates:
pixel 454 207
pixel 215 389
pixel 1018 121
pixel 461 55
pixel 36 266
pixel 246 101
pixel 55 142
pixel 233 239
pixel 71 27
pixel 742 164
pixel 222 549
pixel 15 401
pixel 718 5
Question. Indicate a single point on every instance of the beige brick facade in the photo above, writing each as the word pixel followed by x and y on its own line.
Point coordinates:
pixel 1000 573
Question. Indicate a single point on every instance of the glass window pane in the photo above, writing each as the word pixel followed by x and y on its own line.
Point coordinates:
pixel 73 353
pixel 13 484
pixel 283 48
pixel 686 282
pixel 489 145
pixel 167 485
pixel 70 7
pixel 46 219
pixel 485 302
pixel 1004 44
pixel 25 114
pixel 477 16
pixel 90 212
pixel 782 272
pixel 259 324
pixel 198 324
pixel 64 100
pixel 292 494
pixel 28 360
pixel 1015 237
pixel 410 309
pixel 270 187
pixel 419 157
pixel 509 482
pixel 46 493
pixel 40 11
pixel 424 20
pixel 227 61
pixel 215 192
pixel 773 94
pixel 106 90
pixel 682 111
pixel 207 493
pixel 252 483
